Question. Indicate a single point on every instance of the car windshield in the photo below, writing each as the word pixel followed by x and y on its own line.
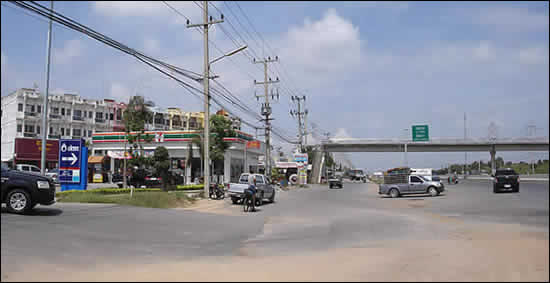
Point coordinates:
pixel 505 172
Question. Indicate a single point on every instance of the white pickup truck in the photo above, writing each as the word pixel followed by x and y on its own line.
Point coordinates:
pixel 263 184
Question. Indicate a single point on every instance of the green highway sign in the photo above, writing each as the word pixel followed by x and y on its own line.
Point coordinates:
pixel 420 133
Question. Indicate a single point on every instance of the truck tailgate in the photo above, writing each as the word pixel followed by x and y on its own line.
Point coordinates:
pixel 237 188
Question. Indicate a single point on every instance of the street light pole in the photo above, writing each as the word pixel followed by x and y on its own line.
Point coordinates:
pixel 45 98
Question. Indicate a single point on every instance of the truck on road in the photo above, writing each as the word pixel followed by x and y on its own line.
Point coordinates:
pixel 409 184
pixel 263 185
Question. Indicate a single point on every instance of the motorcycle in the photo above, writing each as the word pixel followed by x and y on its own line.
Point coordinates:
pixel 216 192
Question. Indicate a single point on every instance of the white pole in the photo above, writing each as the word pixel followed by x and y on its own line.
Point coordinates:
pixel 45 98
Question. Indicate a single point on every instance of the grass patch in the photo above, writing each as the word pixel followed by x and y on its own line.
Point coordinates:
pixel 152 199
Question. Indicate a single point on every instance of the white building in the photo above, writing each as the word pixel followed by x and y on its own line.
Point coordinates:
pixel 69 116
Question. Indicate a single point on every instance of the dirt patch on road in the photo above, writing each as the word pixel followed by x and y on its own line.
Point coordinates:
pixel 492 252
pixel 223 207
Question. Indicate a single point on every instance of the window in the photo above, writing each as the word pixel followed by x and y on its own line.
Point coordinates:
pixel 29 128
pixel 39 108
pixel 244 179
pixel 55 110
pixel 415 179
pixel 68 112
pixel 20 107
pixel 35 169
pixel 31 107
pixel 76 132
pixel 51 131
pixel 38 129
pixel 62 131
pixel 62 111
pixel 89 133
pixel 111 116
pixel 90 114
pixel 259 180
pixel 78 113
pixel 19 128
pixel 119 114
pixel 98 115
pixel 26 168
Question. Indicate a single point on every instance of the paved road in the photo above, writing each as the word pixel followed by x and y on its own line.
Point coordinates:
pixel 306 234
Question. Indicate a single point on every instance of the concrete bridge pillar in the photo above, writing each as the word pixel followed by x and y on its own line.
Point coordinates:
pixel 317 162
pixel 493 159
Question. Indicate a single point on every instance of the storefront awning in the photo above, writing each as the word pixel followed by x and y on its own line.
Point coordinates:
pixel 95 159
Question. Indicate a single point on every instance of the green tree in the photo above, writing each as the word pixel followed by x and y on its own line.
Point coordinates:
pixel 135 116
pixel 220 128
pixel 161 163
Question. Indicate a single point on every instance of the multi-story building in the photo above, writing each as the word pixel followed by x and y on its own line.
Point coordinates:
pixel 69 116
pixel 235 121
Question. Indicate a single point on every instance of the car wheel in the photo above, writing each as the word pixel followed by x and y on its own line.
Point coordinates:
pixel 516 190
pixel 330 186
pixel 272 198
pixel 18 201
pixel 394 193
pixel 234 200
pixel 495 190
pixel 433 191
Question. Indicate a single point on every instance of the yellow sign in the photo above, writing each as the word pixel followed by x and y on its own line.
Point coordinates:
pixel 98 178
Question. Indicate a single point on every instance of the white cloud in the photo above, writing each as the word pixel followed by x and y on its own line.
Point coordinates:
pixel 3 62
pixel 342 133
pixel 151 45
pixel 331 44
pixel 533 55
pixel 151 9
pixel 71 49
pixel 510 19
pixel 120 92
pixel 484 51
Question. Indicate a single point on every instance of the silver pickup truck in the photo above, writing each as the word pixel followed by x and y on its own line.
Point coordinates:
pixel 416 185
pixel 263 184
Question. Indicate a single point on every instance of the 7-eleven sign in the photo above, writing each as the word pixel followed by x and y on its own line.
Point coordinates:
pixel 159 137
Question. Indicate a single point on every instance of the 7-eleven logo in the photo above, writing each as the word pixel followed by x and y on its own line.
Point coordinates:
pixel 159 137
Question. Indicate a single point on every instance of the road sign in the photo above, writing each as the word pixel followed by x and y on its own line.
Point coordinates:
pixel 69 161
pixel 420 133
pixel 300 157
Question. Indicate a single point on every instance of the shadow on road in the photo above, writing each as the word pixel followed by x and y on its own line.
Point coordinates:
pixel 413 197
pixel 39 211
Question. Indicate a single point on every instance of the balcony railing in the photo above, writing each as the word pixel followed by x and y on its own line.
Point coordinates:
pixel 29 135
pixel 78 118
pixel 54 136
pixel 99 120
pixel 31 114
pixel 55 116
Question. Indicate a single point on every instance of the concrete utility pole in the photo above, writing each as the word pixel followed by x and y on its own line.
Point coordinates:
pixel 305 123
pixel 299 113
pixel 45 98
pixel 465 153
pixel 266 109
pixel 206 81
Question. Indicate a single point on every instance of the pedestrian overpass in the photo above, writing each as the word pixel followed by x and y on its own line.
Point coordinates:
pixel 434 145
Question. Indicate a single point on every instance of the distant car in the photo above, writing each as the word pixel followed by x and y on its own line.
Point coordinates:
pixel 335 181
pixel 415 185
pixel 54 174
pixel 505 179
pixel 22 191
pixel 27 168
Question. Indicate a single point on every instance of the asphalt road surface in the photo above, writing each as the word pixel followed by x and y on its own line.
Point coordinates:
pixel 467 233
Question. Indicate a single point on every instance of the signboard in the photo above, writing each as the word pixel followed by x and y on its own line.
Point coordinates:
pixel 253 144
pixel 69 161
pixel 31 149
pixel 300 157
pixel 420 133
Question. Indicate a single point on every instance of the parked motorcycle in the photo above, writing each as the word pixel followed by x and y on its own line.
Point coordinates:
pixel 216 192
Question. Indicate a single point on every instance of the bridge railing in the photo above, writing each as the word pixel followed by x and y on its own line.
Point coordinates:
pixel 515 140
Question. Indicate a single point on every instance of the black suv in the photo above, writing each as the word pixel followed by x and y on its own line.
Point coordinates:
pixel 505 179
pixel 22 191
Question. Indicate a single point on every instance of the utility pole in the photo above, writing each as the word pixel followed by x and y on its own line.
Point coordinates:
pixel 299 113
pixel 305 123
pixel 206 81
pixel 266 109
pixel 45 98
pixel 465 153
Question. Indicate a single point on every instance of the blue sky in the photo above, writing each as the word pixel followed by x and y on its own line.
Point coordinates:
pixel 369 69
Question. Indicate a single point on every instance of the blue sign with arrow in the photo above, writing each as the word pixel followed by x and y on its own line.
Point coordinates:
pixel 69 161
